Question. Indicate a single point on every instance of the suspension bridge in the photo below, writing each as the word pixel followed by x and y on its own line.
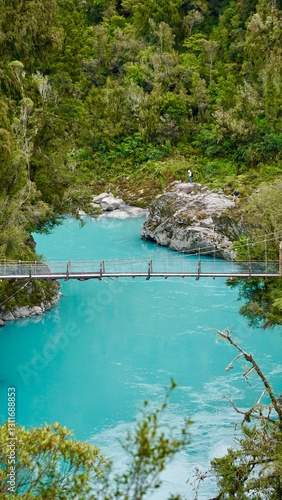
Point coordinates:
pixel 182 267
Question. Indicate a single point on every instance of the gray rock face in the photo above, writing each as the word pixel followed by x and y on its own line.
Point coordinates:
pixel 110 203
pixel 190 217
pixel 30 311
pixel 115 207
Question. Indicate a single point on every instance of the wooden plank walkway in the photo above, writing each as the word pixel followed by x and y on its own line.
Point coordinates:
pixel 181 267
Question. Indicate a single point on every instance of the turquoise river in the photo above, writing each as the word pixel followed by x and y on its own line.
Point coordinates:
pixel 90 362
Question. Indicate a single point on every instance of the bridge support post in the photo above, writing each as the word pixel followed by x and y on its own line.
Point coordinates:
pixel 280 259
pixel 150 269
pixel 68 270
pixel 250 269
pixel 102 269
pixel 199 269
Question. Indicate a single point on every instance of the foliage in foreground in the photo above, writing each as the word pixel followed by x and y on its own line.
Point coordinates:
pixel 254 468
pixel 49 463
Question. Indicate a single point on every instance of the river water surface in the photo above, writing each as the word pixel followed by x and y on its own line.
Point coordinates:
pixel 90 362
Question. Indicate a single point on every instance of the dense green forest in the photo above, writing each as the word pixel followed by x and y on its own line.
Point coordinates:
pixel 127 95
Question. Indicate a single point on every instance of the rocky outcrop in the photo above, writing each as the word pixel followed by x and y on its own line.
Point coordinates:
pixel 189 217
pixel 115 207
pixel 28 311
pixel 12 311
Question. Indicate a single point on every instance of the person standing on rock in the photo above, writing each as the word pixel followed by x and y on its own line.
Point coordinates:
pixel 190 175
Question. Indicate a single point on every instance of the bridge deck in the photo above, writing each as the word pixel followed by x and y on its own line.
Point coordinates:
pixel 182 266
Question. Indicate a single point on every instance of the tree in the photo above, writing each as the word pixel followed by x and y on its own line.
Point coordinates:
pixel 193 18
pixel 28 29
pixel 263 300
pixel 262 216
pixel 254 468
pixel 210 48
pixel 166 11
pixel 46 463
pixel 49 463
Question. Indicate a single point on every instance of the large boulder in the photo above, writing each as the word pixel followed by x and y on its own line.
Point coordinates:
pixel 190 217
pixel 116 208
pixel 107 201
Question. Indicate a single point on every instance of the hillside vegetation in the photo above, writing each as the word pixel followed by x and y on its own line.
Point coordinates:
pixel 128 95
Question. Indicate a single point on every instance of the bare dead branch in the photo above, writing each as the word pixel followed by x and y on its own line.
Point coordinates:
pixel 261 396
pixel 248 357
pixel 234 406
pixel 248 371
pixel 231 364
pixel 249 413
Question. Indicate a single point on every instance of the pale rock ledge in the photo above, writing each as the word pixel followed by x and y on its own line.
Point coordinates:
pixel 115 207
